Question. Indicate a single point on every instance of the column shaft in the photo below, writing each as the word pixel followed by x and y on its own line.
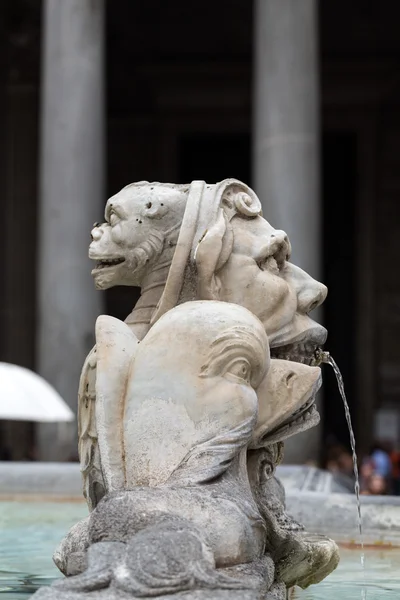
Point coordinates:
pixel 71 195
pixel 286 139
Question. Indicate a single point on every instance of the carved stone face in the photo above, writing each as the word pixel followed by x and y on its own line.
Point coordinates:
pixel 143 222
pixel 258 276
pixel 139 221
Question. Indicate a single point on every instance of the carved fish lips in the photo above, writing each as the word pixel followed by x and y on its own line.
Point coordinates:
pixel 306 417
pixel 306 353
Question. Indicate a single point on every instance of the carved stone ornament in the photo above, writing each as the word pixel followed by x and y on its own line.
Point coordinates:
pixel 184 408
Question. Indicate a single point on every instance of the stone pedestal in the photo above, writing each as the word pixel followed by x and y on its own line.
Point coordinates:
pixel 286 140
pixel 71 194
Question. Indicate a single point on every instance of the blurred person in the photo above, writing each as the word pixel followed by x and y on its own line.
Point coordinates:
pixel 377 470
pixel 332 466
pixel 377 486
pixel 367 470
pixel 381 459
pixel 345 463
pixel 332 452
pixel 339 460
pixel 395 458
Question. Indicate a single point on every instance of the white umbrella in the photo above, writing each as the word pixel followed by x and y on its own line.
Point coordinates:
pixel 25 396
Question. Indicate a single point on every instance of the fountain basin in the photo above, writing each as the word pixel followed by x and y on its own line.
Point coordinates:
pixel 39 502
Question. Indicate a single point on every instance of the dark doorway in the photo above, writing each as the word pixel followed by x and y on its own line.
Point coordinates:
pixel 214 157
pixel 339 171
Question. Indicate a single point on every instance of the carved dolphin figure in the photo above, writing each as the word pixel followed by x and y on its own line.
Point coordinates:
pixel 184 399
pixel 177 413
pixel 179 410
pixel 202 406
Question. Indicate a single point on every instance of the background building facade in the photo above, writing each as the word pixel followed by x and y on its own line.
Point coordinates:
pixel 299 98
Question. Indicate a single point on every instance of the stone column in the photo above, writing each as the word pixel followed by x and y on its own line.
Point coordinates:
pixel 71 198
pixel 286 140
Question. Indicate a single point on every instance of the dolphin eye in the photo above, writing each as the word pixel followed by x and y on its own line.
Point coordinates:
pixel 289 377
pixel 239 369
pixel 268 470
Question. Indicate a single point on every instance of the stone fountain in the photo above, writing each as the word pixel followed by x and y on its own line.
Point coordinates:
pixel 184 407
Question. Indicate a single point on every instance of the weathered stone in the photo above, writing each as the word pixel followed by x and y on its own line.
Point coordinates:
pixel 183 409
pixel 165 555
pixel 197 241
pixel 70 557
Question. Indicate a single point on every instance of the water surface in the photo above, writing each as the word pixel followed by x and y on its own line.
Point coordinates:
pixel 382 581
pixel 30 531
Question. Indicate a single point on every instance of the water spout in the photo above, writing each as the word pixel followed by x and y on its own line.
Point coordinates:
pixel 321 356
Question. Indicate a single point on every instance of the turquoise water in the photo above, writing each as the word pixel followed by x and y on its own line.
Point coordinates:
pixel 30 532
pixel 382 581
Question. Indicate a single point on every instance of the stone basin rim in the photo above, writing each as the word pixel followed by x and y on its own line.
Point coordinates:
pixel 328 513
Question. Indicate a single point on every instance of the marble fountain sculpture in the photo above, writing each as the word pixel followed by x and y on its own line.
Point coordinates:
pixel 184 407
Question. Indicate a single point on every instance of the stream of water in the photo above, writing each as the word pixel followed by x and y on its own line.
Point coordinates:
pixel 327 358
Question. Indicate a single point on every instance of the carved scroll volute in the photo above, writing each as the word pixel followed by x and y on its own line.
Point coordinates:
pixel 218 207
pixel 238 198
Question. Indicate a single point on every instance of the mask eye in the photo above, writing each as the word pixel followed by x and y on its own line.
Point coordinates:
pixel 113 217
pixel 240 370
pixel 269 264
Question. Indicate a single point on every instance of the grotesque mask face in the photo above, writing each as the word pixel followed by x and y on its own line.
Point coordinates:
pixel 257 275
pixel 252 276
pixel 140 221
pixel 240 258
